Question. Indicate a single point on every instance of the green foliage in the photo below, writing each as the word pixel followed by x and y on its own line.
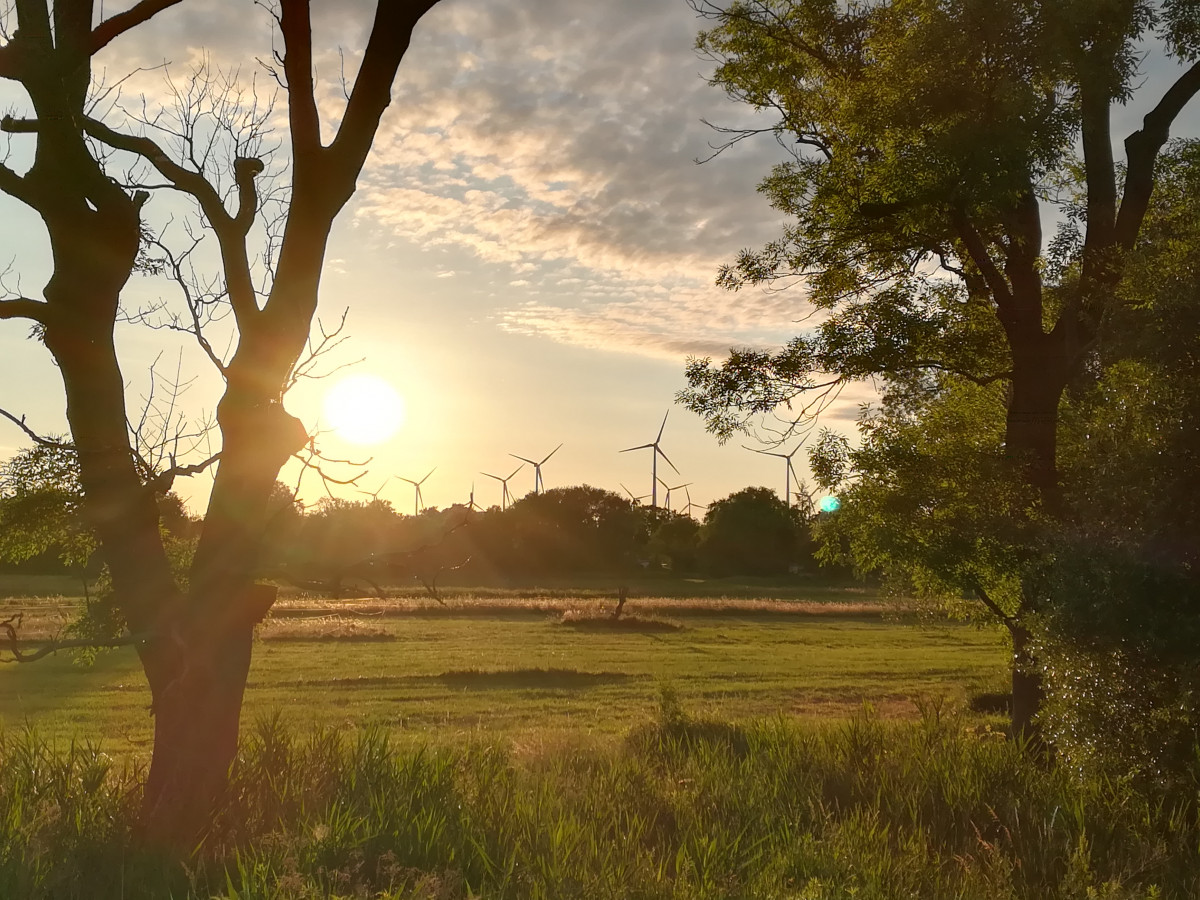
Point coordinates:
pixel 675 540
pixel 41 507
pixel 689 807
pixel 751 532
pixel 1120 642
pixel 928 499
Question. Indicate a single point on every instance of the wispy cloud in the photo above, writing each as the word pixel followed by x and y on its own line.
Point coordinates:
pixel 555 143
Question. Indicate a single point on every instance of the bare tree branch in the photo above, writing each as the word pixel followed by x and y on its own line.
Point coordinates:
pixel 115 26
pixel 12 643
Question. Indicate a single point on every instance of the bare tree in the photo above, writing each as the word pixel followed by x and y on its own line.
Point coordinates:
pixel 194 645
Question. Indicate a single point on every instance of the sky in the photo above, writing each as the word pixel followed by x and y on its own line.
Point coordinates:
pixel 529 258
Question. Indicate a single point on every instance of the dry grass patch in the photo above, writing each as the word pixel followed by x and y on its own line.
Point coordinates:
pixel 604 620
pixel 557 605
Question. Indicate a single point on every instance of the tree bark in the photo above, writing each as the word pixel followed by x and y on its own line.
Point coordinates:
pixel 1027 690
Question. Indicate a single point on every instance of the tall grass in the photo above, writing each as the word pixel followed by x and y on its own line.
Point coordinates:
pixel 685 807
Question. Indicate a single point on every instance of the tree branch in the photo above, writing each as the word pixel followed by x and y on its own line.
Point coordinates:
pixel 115 26
pixel 12 643
pixel 230 230
pixel 1141 151
pixel 30 433
pixel 24 308
pixel 991 604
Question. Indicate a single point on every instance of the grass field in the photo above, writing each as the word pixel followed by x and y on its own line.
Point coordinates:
pixel 517 743
pixel 539 668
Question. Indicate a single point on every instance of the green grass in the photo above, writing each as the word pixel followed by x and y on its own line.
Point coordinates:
pixel 520 669
pixel 684 807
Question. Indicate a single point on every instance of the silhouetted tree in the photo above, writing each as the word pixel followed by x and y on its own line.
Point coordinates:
pixel 195 642
pixel 750 532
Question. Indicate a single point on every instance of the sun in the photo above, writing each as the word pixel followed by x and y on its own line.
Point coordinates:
pixel 364 409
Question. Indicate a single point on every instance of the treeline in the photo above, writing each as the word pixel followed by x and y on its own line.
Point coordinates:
pixel 564 532
pixel 343 545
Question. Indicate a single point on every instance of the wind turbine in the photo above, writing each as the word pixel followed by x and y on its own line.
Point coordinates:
pixel 673 488
pixel 687 510
pixel 505 496
pixel 471 504
pixel 538 487
pixel 418 501
pixel 655 452
pixel 374 495
pixel 789 472
pixel 637 500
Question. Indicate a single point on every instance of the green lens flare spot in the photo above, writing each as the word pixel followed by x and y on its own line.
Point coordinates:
pixel 831 504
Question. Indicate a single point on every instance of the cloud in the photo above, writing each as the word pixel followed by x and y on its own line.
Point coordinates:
pixel 555 142
pixel 552 142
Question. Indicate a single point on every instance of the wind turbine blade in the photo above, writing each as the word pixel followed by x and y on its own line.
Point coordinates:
pixel 659 450
pixel 430 472
pixel 516 470
pixel 662 426
pixel 409 480
pixel 628 491
pixel 490 475
pixel 550 454
pixel 523 459
pixel 641 447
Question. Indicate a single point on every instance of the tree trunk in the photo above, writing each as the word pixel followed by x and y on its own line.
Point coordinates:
pixel 1041 367
pixel 1026 685
pixel 197 675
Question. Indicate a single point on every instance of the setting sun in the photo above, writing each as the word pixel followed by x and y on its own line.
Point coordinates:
pixel 364 409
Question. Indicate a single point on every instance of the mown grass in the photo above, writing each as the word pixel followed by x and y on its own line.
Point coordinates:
pixel 683 807
pixel 367 663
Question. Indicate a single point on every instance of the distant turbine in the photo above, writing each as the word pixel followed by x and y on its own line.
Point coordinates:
pixel 655 452
pixel 538 486
pixel 687 510
pixel 471 504
pixel 672 488
pixel 637 500
pixel 505 496
pixel 374 495
pixel 789 472
pixel 418 501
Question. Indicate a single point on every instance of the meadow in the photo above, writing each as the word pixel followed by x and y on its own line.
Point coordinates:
pixel 534 665
pixel 516 743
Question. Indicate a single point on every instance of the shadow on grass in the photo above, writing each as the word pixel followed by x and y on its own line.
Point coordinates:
pixel 568 679
pixel 343 637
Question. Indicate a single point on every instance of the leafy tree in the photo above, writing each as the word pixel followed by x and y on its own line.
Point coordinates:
pixel 930 138
pixel 574 529
pixel 41 507
pixel 194 640
pixel 1120 642
pixel 750 532
pixel 676 540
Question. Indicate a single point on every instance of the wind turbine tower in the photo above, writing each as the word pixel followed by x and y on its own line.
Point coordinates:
pixel 505 496
pixel 655 452
pixel 418 500
pixel 538 485
pixel 789 470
